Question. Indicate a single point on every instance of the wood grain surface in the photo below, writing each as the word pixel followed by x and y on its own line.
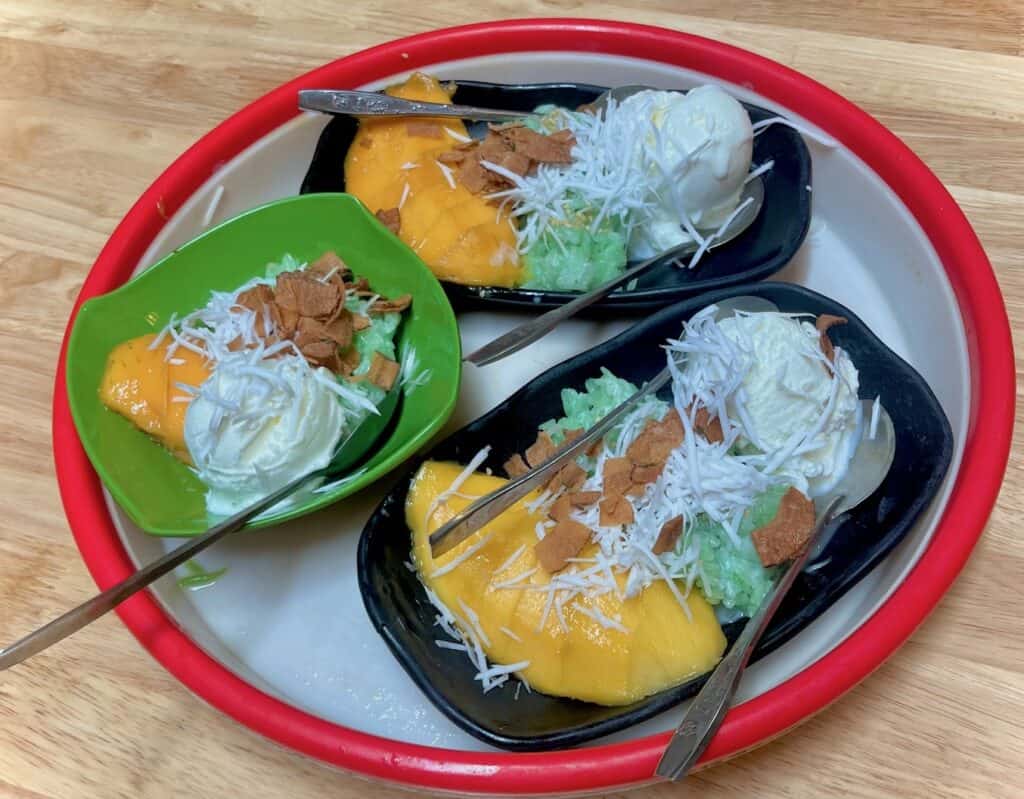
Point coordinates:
pixel 97 97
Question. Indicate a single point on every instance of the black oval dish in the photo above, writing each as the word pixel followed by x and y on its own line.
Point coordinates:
pixel 402 614
pixel 764 248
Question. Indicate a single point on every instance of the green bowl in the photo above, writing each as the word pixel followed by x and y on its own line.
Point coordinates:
pixel 159 493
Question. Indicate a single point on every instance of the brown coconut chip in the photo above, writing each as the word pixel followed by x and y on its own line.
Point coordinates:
pixel 584 499
pixel 561 509
pixel 563 541
pixel 785 536
pixel 657 440
pixel 668 535
pixel 822 324
pixel 516 466
pixel 383 372
pixel 360 322
pixel 307 296
pixel 397 305
pixel 553 149
pixel 285 320
pixel 348 362
pixel 617 476
pixel 708 426
pixel 255 298
pixel 391 218
pixel 571 476
pixel 540 450
pixel 616 510
pixel 330 263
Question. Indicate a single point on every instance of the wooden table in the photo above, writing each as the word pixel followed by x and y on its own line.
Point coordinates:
pixel 96 98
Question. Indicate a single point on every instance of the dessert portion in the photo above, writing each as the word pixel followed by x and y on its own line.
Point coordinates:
pixel 609 583
pixel 259 386
pixel 562 200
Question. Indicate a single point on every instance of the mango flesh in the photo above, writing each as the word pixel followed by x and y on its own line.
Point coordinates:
pixel 462 237
pixel 662 647
pixel 139 383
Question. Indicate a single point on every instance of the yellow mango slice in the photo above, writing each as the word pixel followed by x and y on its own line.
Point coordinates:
pixel 462 237
pixel 661 647
pixel 140 384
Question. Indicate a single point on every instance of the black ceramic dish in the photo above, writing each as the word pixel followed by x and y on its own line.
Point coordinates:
pixel 764 248
pixel 401 613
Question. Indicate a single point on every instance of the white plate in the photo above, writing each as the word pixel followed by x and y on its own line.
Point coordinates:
pixel 287 617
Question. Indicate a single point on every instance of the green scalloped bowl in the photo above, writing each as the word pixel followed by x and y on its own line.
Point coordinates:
pixel 159 493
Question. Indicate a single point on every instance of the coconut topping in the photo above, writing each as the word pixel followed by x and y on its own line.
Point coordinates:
pixel 785 536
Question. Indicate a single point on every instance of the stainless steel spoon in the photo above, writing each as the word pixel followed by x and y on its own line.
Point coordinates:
pixel 372 104
pixel 348 451
pixel 351 102
pixel 707 711
pixel 538 327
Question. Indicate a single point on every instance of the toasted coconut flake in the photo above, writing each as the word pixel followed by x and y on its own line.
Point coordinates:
pixel 397 305
pixel 668 535
pixel 571 476
pixel 657 440
pixel 348 361
pixel 616 479
pixel 564 541
pixel 785 536
pixel 360 322
pixel 329 263
pixel 391 218
pixel 822 324
pixel 516 466
pixel 708 426
pixel 307 296
pixel 616 510
pixel 561 510
pixel 383 371
pixel 540 450
pixel 584 499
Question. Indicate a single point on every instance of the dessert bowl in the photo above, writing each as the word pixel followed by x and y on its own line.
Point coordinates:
pixel 160 493
pixel 760 251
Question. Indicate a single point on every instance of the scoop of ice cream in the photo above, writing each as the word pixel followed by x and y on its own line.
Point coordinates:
pixel 252 429
pixel 699 153
pixel 790 398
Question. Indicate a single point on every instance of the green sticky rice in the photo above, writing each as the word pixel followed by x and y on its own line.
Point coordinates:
pixel 583 409
pixel 729 575
pixel 572 258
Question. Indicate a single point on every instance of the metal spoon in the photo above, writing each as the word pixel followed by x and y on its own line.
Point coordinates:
pixel 867 470
pixel 351 102
pixel 357 443
pixel 372 104
pixel 527 333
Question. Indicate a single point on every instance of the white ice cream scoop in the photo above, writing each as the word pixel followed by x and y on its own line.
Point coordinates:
pixel 252 429
pixel 697 154
pixel 791 401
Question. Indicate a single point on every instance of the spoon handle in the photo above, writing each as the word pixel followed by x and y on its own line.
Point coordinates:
pixel 527 333
pixel 86 613
pixel 372 104
pixel 708 709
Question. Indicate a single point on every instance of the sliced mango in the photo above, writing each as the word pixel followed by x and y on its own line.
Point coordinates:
pixel 585 660
pixel 462 237
pixel 141 384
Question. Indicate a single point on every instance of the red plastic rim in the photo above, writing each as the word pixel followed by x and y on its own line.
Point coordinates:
pixel 984 460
